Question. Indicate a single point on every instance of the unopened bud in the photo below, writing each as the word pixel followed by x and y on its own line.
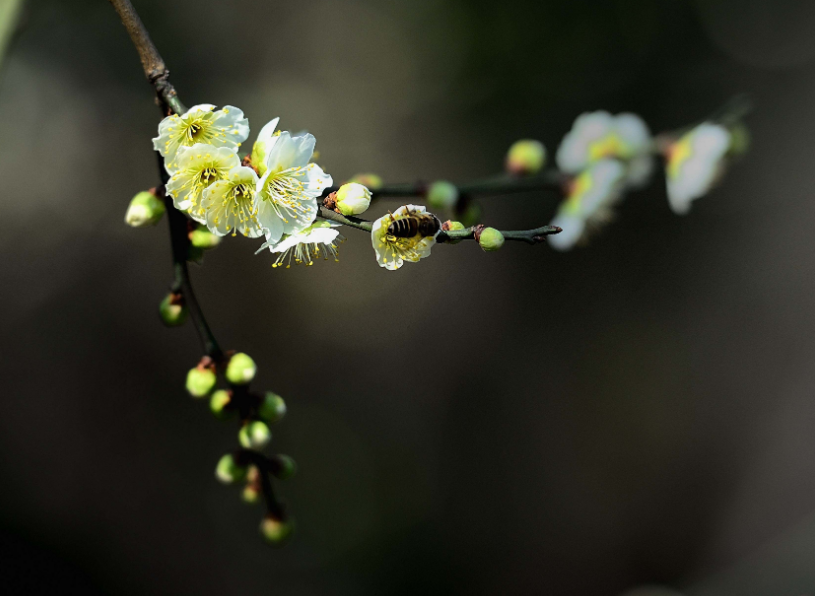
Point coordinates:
pixel 172 310
pixel 219 403
pixel 471 214
pixel 254 435
pixel 285 468
pixel 228 472
pixel 442 195
pixel 453 226
pixel 526 157
pixel 352 199
pixel 202 238
pixel 201 380
pixel 272 407
pixel 241 369
pixel 276 531
pixel 491 239
pixel 252 490
pixel 372 181
pixel 145 209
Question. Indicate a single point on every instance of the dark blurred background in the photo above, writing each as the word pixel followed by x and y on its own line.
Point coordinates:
pixel 636 412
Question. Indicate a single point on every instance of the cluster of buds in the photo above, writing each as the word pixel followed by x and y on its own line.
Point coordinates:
pixel 248 465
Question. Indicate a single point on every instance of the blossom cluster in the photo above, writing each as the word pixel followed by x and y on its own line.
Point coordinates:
pixel 271 193
pixel 604 155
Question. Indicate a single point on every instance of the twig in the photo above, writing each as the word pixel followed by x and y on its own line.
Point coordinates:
pixel 533 236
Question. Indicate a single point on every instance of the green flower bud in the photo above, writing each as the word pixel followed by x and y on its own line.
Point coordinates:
pixel 241 369
pixel 202 238
pixel 251 493
pixel 254 435
pixel 453 226
pixel 352 199
pixel 200 381
pixel 272 407
pixel 276 531
pixel 172 310
pixel 228 472
pixel 287 467
pixel 526 157
pixel 739 140
pixel 491 239
pixel 372 181
pixel 219 403
pixel 145 209
pixel 471 214
pixel 442 195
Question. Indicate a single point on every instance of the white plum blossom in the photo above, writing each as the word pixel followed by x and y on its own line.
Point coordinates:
pixel 588 204
pixel 265 141
pixel 287 193
pixel 200 124
pixel 320 239
pixel 230 206
pixel 599 135
pixel 694 163
pixel 392 252
pixel 198 167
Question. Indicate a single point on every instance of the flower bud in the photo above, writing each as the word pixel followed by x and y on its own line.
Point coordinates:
pixel 172 310
pixel 219 403
pixel 200 380
pixel 241 369
pixel 254 435
pixel 145 209
pixel 285 467
pixel 276 531
pixel 228 472
pixel 471 214
pixel 251 493
pixel 453 226
pixel 442 195
pixel 272 407
pixel 372 181
pixel 491 239
pixel 352 199
pixel 202 238
pixel 526 157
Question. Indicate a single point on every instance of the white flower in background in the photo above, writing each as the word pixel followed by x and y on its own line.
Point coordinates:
pixel 200 124
pixel 353 199
pixel 320 239
pixel 263 144
pixel 288 190
pixel 599 135
pixel 229 205
pixel 694 163
pixel 392 251
pixel 589 201
pixel 197 167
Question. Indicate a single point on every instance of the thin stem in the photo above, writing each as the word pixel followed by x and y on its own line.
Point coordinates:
pixel 533 236
pixel 498 185
pixel 153 64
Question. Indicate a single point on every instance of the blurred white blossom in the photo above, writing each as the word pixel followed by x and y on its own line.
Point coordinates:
pixel 599 135
pixel 588 203
pixel 694 163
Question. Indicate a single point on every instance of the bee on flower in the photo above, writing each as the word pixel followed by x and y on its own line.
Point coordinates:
pixel 407 234
pixel 320 239
pixel 588 203
pixel 694 163
pixel 599 135
pixel 197 168
pixel 200 124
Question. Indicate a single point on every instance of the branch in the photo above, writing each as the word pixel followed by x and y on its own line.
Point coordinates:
pixel 153 64
pixel 503 184
pixel 533 236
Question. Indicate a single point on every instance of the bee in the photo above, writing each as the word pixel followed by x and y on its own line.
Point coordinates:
pixel 415 224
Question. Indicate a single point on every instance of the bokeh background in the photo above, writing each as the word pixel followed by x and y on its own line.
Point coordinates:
pixel 636 412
